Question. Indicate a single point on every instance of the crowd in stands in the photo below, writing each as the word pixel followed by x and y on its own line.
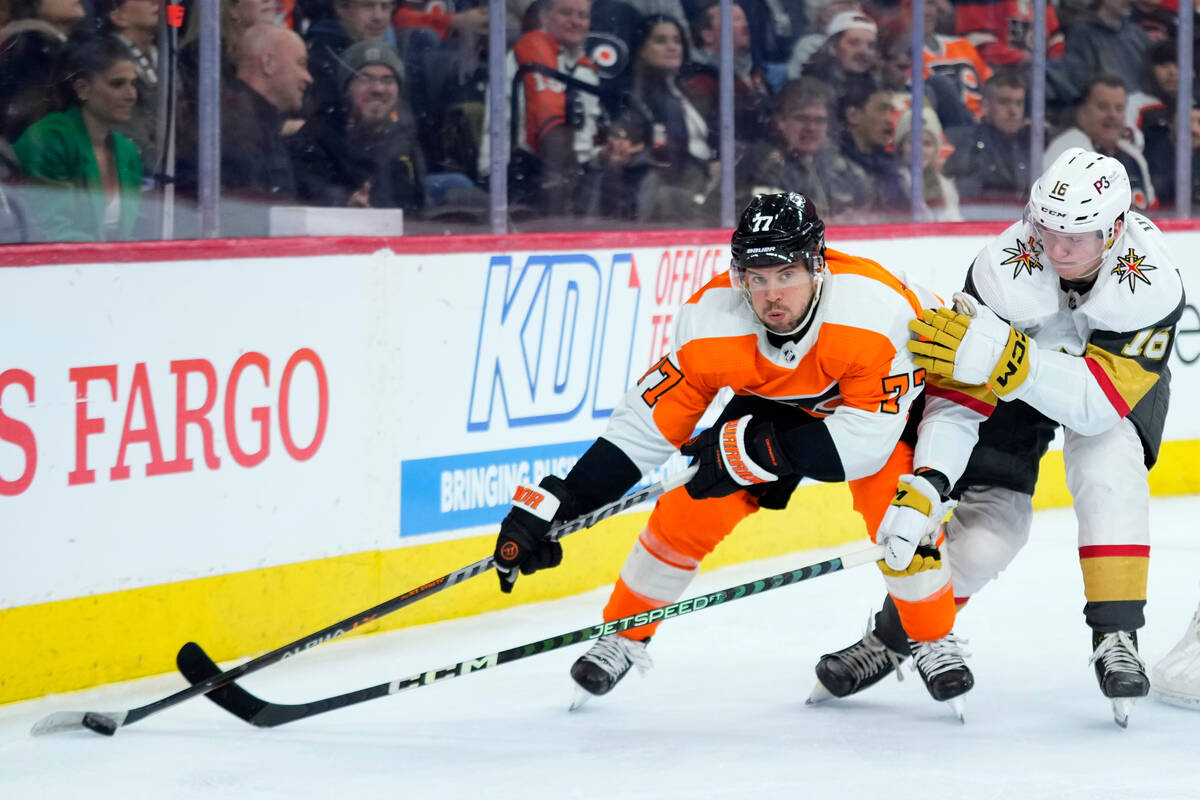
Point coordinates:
pixel 614 109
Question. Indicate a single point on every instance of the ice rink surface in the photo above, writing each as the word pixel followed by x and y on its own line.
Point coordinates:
pixel 721 715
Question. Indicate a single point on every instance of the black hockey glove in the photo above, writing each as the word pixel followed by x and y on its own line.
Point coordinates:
pixel 735 455
pixel 522 543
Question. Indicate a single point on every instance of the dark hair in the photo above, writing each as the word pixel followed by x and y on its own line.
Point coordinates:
pixel 1163 52
pixel 1005 78
pixel 1109 79
pixel 648 24
pixel 700 19
pixel 802 92
pixel 24 9
pixel 856 91
pixel 85 57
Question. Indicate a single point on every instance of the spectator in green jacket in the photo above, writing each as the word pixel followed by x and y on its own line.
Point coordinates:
pixel 87 177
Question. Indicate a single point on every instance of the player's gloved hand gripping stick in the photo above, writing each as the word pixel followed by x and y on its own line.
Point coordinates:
pixel 108 722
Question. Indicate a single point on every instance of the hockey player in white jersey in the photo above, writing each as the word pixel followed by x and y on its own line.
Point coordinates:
pixel 1067 318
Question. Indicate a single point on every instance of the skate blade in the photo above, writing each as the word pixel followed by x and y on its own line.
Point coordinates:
pixel 1121 708
pixel 579 698
pixel 819 694
pixel 958 707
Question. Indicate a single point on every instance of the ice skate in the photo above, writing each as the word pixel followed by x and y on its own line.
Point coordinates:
pixel 942 666
pixel 598 670
pixel 854 668
pixel 1176 678
pixel 1120 671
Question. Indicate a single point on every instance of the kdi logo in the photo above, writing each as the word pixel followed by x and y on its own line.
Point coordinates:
pixel 553 332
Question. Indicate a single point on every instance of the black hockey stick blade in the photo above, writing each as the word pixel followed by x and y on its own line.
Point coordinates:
pixel 108 723
pixel 195 664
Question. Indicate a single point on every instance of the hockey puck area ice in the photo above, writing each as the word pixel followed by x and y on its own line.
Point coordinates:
pixel 99 723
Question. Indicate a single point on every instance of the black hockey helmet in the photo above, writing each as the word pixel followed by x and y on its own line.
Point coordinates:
pixel 778 229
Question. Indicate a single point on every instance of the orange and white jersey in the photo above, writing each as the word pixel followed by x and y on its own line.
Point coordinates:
pixel 956 58
pixel 849 368
pixel 542 101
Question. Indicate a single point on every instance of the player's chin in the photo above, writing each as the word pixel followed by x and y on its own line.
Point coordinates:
pixel 779 324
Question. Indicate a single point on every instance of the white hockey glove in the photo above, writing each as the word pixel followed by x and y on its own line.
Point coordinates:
pixel 970 344
pixel 915 512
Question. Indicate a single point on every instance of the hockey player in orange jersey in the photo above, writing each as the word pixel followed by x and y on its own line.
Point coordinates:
pixel 812 343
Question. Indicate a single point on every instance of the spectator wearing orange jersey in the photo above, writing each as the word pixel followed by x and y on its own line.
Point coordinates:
pixel 555 110
pixel 955 58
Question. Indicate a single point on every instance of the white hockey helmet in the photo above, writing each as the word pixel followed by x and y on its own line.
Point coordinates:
pixel 1079 198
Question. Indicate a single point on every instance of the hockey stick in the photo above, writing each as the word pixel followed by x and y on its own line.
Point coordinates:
pixel 196 665
pixel 107 722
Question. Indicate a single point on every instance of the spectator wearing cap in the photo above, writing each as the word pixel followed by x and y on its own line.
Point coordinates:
pixel 29 47
pixel 818 13
pixel 864 110
pixel 368 156
pixel 796 154
pixel 990 162
pixel 849 50
pixel 701 76
pixel 328 37
pixel 134 23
